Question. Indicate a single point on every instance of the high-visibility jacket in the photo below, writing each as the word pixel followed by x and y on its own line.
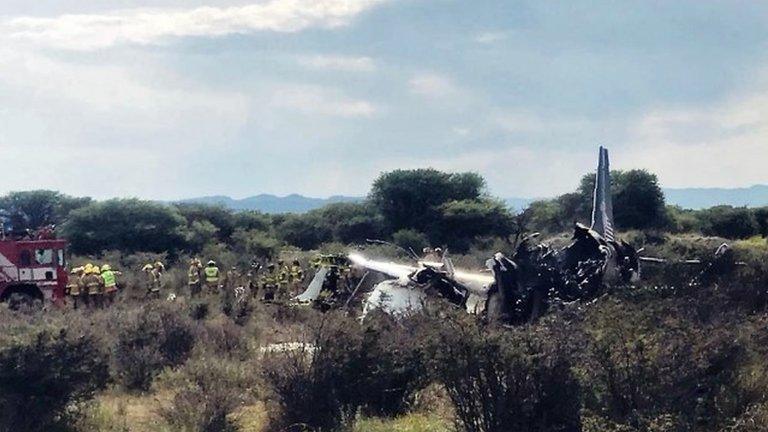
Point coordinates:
pixel 193 275
pixel 269 278
pixel 296 273
pixel 284 275
pixel 110 282
pixel 211 274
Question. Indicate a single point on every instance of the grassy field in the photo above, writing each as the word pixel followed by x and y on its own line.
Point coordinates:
pixel 666 355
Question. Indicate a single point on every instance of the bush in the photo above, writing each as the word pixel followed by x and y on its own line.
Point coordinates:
pixel 343 370
pixel 43 383
pixel 154 338
pixel 209 390
pixel 729 222
pixel 410 239
pixel 641 368
pixel 503 379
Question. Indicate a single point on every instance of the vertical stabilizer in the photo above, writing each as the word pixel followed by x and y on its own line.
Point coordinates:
pixel 602 207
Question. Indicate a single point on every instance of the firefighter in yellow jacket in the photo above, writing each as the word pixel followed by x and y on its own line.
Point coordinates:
pixel 296 277
pixel 158 278
pixel 94 285
pixel 109 277
pixel 212 275
pixel 269 282
pixel 193 277
pixel 75 284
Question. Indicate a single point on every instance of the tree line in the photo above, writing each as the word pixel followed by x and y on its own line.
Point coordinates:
pixel 413 208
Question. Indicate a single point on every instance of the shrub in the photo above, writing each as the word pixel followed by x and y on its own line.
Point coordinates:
pixel 209 390
pixel 223 337
pixel 410 239
pixel 344 369
pixel 43 383
pixel 729 222
pixel 652 364
pixel 504 380
pixel 154 338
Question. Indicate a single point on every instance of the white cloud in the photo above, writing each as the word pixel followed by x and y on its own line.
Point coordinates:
pixel 309 99
pixel 153 26
pixel 526 122
pixel 432 84
pixel 338 63
pixel 490 37
pixel 723 145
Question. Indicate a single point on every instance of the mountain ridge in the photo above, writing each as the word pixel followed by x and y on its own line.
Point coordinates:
pixel 689 198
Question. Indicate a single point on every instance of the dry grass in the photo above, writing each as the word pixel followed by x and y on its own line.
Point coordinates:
pixel 408 423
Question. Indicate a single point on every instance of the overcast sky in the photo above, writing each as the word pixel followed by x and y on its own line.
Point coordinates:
pixel 168 99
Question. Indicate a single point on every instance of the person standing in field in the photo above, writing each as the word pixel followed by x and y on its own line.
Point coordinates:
pixel 296 277
pixel 75 285
pixel 193 277
pixel 212 276
pixel 109 278
pixel 94 284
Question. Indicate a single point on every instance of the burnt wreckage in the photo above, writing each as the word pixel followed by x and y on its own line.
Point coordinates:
pixel 525 285
pixel 517 289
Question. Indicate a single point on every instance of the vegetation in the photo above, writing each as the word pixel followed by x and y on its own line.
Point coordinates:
pixel 683 350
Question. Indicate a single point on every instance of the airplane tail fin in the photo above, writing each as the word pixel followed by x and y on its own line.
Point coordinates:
pixel 602 209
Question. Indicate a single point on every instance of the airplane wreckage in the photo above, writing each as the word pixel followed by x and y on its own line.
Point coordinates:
pixel 514 289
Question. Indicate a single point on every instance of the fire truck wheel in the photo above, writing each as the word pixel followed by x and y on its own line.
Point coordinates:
pixel 19 300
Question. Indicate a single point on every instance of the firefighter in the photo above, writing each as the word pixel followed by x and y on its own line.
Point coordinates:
pixel 253 281
pixel 94 285
pixel 232 279
pixel 211 276
pixel 193 277
pixel 296 277
pixel 110 283
pixel 148 278
pixel 74 285
pixel 269 282
pixel 158 278
pixel 283 279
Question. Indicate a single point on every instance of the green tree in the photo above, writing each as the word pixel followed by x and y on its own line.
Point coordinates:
pixel 761 216
pixel 729 222
pixel 128 225
pixel 411 198
pixel 221 218
pixel 255 243
pixel 306 231
pixel 410 239
pixel 545 216
pixel 352 222
pixel 253 220
pixel 35 209
pixel 199 234
pixel 638 201
pixel 464 221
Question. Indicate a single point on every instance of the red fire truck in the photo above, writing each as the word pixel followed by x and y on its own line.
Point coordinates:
pixel 32 270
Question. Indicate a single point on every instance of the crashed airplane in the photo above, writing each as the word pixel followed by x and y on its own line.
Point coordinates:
pixel 512 290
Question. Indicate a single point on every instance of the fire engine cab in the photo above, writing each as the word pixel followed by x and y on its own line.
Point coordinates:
pixel 32 269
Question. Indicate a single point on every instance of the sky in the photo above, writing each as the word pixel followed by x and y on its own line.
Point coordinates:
pixel 169 99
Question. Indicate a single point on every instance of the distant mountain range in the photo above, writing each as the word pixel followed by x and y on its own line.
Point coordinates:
pixel 693 198
pixel 698 198
pixel 271 203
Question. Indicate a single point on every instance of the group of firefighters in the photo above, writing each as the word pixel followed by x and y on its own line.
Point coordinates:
pixel 278 281
pixel 275 283
pixel 93 286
